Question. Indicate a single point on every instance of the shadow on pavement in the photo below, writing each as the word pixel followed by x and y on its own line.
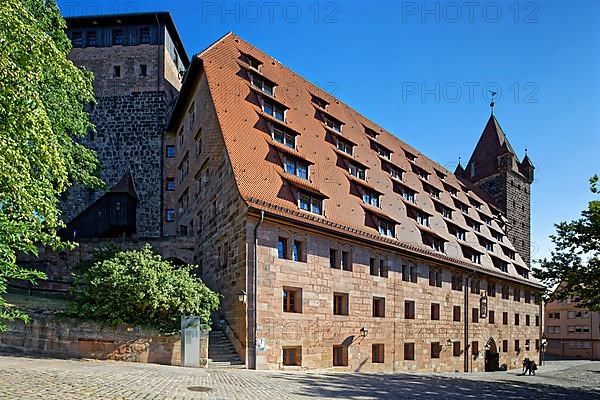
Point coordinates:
pixel 406 386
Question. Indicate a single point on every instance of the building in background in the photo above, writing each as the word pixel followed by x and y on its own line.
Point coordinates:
pixel 349 248
pixel 138 61
pixel 571 331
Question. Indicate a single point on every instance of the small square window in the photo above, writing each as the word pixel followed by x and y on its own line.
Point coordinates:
pixel 435 311
pixel 377 353
pixel 282 248
pixel 475 315
pixel 292 300
pixel 292 356
pixel 436 349
pixel 143 70
pixel 170 184
pixel 170 151
pixel 409 309
pixel 409 351
pixel 456 313
pixel 340 304
pixel 116 71
pixel 297 251
pixel 170 215
pixel 346 265
pixel 456 349
pixel 379 307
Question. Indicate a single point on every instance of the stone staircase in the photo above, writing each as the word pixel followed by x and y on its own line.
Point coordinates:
pixel 221 353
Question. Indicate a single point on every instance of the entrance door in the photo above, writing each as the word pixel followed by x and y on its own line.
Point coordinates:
pixel 492 357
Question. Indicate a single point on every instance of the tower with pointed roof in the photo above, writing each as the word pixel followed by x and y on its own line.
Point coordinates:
pixel 495 168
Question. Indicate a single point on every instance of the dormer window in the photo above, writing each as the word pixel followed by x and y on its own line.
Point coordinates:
pixel 410 156
pixel 371 198
pixel 386 228
pixel 421 172
pixel 409 195
pixel 509 253
pixel 371 133
pixel 319 102
pixel 487 220
pixel 489 246
pixel 422 219
pixel 396 172
pixel 446 212
pixel 461 206
pixel 440 174
pixel 433 192
pixel 472 255
pixel 333 124
pixel 476 226
pixel 437 245
pixel 283 137
pixel 451 189
pixel 497 235
pixel 357 171
pixel 460 234
pixel 345 146
pixel 274 110
pixel 253 62
pixel 310 203
pixel 383 152
pixel 475 203
pixel 502 266
pixel 296 167
pixel 262 84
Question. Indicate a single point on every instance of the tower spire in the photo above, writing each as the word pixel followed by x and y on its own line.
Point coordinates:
pixel 492 104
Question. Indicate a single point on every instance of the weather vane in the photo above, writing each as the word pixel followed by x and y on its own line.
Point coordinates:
pixel 492 103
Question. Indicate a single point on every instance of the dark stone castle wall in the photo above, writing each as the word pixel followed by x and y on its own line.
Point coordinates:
pixel 128 137
pixel 511 192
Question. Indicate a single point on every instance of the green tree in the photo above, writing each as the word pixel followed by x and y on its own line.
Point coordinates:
pixel 575 261
pixel 42 113
pixel 139 287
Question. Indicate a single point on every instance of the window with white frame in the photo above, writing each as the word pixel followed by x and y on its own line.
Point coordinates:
pixel 409 195
pixel 386 227
pixel 333 124
pixel 274 110
pixel 262 84
pixel 422 219
pixel 310 203
pixel 284 137
pixel 345 146
pixel 296 167
pixel 396 172
pixel 370 197
pixel 383 152
pixel 357 171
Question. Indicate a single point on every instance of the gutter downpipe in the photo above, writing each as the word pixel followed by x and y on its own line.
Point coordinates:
pixel 251 355
pixel 541 331
pixel 466 323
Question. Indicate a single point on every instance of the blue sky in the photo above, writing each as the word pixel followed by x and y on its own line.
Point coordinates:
pixel 422 70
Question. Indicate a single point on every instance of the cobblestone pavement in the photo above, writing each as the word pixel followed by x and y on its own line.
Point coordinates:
pixel 42 378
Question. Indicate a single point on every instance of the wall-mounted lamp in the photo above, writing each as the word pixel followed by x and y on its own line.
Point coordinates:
pixel 487 346
pixel 242 297
pixel 449 342
pixel 364 332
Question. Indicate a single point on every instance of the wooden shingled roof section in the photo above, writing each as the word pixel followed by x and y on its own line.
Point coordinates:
pixel 258 169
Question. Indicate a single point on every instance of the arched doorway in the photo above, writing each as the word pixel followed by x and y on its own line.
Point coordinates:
pixel 492 358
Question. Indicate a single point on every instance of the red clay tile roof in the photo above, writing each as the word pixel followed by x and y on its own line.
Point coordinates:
pixel 344 211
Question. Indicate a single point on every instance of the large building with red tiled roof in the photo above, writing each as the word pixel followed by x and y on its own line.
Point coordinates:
pixel 352 249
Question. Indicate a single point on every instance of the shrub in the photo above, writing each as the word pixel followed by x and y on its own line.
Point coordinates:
pixel 140 287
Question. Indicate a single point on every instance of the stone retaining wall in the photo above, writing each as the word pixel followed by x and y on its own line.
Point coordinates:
pixel 72 338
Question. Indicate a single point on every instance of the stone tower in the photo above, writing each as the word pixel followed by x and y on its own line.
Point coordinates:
pixel 495 168
pixel 138 61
